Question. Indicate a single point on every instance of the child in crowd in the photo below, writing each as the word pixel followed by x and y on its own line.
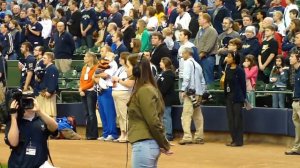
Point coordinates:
pixel 251 71
pixel 168 35
pixel 278 79
pixel 268 52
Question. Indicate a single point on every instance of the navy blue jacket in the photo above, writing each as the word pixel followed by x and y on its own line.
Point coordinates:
pixel 64 45
pixel 7 44
pixel 50 79
pixel 116 18
pixel 238 84
pixel 251 46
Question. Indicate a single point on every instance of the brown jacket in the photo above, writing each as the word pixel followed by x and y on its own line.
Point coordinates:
pixel 145 117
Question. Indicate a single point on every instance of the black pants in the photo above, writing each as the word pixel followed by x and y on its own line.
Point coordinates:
pixel 235 119
pixel 89 105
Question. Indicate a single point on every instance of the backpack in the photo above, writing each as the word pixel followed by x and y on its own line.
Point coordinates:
pixel 67 128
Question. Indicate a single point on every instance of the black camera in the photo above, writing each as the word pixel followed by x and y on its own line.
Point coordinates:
pixel 191 93
pixel 25 101
pixel 39 72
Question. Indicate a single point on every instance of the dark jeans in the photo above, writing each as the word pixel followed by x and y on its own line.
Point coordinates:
pixel 235 120
pixel 89 105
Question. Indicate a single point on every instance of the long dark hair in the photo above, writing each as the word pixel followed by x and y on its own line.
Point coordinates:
pixel 146 77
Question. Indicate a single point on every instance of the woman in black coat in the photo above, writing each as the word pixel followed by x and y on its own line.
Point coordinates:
pixel 165 82
pixel 235 94
pixel 128 32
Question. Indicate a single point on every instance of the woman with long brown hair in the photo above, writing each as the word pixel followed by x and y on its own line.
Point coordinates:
pixel 135 45
pixel 145 110
pixel 165 83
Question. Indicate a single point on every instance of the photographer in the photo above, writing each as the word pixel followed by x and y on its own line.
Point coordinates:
pixel 48 86
pixel 27 136
pixel 192 89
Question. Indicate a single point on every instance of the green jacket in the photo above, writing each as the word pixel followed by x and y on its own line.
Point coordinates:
pixel 145 41
pixel 145 113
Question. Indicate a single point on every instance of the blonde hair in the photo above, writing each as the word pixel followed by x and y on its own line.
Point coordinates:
pixel 167 31
pixel 90 54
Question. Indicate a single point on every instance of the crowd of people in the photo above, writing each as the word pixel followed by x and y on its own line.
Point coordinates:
pixel 198 41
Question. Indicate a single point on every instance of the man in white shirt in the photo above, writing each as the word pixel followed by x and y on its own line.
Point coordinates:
pixel 183 19
pixel 286 15
pixel 126 6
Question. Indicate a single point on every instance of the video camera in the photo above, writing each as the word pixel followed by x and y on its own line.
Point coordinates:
pixel 25 101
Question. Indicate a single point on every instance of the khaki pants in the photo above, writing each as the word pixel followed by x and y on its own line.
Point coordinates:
pixel 121 99
pixel 63 65
pixel 296 120
pixel 48 105
pixel 2 93
pixel 189 113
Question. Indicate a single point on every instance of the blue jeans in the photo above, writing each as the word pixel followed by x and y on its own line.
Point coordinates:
pixel 145 154
pixel 77 42
pixel 89 105
pixel 207 63
pixel 88 41
pixel 168 122
pixel 278 99
pixel 107 113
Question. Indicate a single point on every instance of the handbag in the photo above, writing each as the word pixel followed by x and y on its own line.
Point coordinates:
pixel 222 81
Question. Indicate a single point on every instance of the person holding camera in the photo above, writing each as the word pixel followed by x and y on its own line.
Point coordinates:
pixel 235 95
pixel 192 89
pixel 48 86
pixel 27 136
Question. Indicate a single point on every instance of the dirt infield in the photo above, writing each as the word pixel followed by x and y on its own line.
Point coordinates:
pixel 98 154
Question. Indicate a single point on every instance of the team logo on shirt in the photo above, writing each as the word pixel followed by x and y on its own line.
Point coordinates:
pixel 265 47
pixel 30 65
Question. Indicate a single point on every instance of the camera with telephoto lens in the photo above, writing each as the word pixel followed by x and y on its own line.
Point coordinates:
pixel 191 93
pixel 25 101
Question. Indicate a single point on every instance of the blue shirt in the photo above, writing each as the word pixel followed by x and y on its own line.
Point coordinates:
pixel 173 16
pixel 89 18
pixel 34 132
pixel 34 39
pixel 29 65
pixel 116 18
pixel 193 77
pixel 118 51
pixel 103 15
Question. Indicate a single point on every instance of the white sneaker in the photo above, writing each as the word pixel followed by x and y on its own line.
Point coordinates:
pixel 101 138
pixel 109 138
